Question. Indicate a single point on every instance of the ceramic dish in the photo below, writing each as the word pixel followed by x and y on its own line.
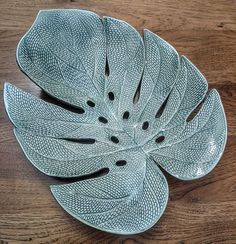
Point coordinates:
pixel 135 104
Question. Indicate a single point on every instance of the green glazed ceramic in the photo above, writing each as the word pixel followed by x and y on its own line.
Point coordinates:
pixel 133 100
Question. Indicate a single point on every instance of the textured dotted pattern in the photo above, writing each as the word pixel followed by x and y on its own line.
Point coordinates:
pixel 65 52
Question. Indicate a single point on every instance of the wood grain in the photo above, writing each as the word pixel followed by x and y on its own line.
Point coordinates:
pixel 200 211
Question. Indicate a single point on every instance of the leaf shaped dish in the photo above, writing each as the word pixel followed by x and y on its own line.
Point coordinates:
pixel 134 100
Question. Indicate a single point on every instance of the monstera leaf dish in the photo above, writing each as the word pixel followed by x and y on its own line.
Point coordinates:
pixel 134 111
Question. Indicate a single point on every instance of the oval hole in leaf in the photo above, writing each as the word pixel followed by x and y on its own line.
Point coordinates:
pixel 114 139
pixel 103 120
pixel 161 109
pixel 91 103
pixel 145 125
pixel 111 96
pixel 81 140
pixel 126 115
pixel 160 139
pixel 121 163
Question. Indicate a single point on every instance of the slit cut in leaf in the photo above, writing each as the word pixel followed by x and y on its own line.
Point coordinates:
pixel 107 70
pixel 46 97
pixel 138 90
pixel 161 109
pixel 194 112
pixel 80 140
pixel 97 174
pixel 66 53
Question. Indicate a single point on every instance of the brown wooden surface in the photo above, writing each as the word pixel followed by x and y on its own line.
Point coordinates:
pixel 200 211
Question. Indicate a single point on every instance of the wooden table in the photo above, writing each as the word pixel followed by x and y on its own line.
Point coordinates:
pixel 200 211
